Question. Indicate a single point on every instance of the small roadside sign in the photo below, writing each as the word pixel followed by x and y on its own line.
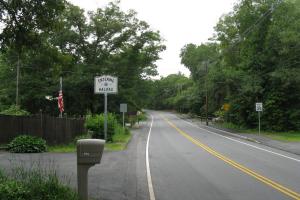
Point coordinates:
pixel 226 106
pixel 106 85
pixel 259 107
pixel 123 107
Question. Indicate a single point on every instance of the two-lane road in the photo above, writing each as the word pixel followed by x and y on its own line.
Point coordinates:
pixel 188 162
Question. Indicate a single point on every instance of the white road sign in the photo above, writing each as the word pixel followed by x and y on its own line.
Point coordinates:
pixel 106 85
pixel 123 107
pixel 259 107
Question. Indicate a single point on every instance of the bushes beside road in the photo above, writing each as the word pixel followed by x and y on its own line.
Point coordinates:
pixel 27 144
pixel 95 123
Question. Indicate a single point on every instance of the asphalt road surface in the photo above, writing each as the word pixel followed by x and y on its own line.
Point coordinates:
pixel 189 162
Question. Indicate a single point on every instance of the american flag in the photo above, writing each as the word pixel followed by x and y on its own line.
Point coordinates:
pixel 60 101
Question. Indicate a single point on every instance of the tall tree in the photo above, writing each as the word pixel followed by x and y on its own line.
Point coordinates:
pixel 251 39
pixel 254 60
pixel 24 24
pixel 78 48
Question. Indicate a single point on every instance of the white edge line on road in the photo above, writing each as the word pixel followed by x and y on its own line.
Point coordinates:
pixel 149 179
pixel 250 145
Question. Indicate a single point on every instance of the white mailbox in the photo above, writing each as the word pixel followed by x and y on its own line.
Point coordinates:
pixel 89 151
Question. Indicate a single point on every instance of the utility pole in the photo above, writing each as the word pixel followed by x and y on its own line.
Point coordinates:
pixel 206 94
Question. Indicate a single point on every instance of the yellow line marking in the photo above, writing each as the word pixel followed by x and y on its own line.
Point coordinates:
pixel 242 168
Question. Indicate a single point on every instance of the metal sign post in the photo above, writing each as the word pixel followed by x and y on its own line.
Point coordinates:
pixel 123 109
pixel 105 116
pixel 259 109
pixel 123 120
pixel 105 85
pixel 259 123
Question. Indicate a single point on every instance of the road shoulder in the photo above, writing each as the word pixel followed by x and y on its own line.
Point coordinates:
pixel 290 147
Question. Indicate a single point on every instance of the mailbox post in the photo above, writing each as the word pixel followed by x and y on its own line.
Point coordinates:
pixel 89 153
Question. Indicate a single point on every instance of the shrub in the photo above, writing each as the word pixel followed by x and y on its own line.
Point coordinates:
pixel 14 110
pixel 92 122
pixel 27 144
pixel 95 123
pixel 2 177
pixel 13 190
pixel 142 116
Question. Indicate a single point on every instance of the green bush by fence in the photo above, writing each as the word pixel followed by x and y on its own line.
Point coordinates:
pixel 95 123
pixel 15 111
pixel 27 144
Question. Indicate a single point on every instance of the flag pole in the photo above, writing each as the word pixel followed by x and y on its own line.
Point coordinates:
pixel 60 81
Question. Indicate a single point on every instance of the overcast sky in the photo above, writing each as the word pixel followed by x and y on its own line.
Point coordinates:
pixel 179 21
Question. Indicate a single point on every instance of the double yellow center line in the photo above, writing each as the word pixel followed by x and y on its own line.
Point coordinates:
pixel 242 168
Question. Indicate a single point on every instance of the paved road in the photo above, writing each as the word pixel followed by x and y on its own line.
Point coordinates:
pixel 188 162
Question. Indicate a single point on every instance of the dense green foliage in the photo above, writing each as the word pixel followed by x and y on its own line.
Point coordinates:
pixel 252 57
pixel 49 39
pixel 34 185
pixel 14 110
pixel 95 123
pixel 27 144
pixel 173 92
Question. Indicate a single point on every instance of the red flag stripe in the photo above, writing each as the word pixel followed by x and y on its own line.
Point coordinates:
pixel 60 101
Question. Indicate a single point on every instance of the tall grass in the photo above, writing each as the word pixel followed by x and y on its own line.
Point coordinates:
pixel 33 182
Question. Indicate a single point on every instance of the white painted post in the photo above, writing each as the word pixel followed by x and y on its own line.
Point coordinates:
pixel 105 116
pixel 259 123
pixel 123 120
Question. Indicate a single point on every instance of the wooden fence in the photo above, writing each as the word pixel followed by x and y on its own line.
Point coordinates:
pixel 53 130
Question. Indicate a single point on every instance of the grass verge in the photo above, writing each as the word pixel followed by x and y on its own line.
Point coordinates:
pixel 292 136
pixel 63 148
pixel 286 136
pixel 119 144
pixel 3 147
